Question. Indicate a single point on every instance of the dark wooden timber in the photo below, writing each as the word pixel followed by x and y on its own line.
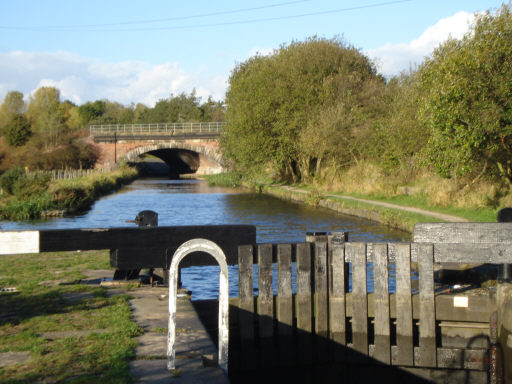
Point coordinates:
pixel 404 336
pixel 468 243
pixel 427 326
pixel 381 303
pixel 303 302
pixel 246 305
pixel 265 304
pixel 357 251
pixel 285 302
pixel 337 326
pixel 149 247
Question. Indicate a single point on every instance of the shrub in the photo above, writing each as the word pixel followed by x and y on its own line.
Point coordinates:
pixel 9 179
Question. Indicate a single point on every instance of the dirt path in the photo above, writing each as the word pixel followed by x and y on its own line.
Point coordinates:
pixel 436 215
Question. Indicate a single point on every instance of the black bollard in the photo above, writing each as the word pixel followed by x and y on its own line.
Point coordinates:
pixel 147 219
pixel 505 270
pixel 143 219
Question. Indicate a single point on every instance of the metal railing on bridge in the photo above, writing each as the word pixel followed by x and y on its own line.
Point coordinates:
pixel 158 129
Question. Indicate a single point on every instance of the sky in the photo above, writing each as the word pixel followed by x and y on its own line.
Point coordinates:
pixel 143 51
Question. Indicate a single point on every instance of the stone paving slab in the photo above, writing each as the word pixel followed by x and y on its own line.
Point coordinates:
pixel 65 334
pixel 12 358
pixel 193 344
pixel 188 371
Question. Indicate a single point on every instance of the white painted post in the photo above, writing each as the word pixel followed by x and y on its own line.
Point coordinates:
pixel 199 245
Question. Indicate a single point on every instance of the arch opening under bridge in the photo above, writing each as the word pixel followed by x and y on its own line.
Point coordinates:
pixel 176 159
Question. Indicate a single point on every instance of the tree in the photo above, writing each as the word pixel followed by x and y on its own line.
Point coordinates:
pixel 17 131
pixel 468 100
pixel 89 112
pixel 13 105
pixel 274 104
pixel 47 116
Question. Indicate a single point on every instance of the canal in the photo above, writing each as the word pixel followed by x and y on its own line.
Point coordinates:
pixel 193 202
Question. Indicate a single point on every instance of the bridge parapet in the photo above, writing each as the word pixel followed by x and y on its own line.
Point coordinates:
pixel 161 129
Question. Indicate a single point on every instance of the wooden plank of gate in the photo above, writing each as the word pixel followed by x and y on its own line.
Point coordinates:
pixel 404 336
pixel 321 302
pixel 285 303
pixel 303 303
pixel 467 243
pixel 427 327
pixel 246 306
pixel 265 304
pixel 381 303
pixel 357 252
pixel 337 313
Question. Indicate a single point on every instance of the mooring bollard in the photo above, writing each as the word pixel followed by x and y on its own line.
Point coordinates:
pixel 145 218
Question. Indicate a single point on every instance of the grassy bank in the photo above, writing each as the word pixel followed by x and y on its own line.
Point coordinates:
pixel 228 180
pixel 394 218
pixel 472 201
pixel 64 331
pixel 29 197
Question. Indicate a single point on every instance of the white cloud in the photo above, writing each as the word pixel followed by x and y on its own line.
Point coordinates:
pixel 394 58
pixel 81 79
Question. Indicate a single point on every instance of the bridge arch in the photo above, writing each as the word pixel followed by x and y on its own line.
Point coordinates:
pixel 170 152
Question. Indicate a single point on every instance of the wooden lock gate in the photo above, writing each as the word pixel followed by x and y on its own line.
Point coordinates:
pixel 321 322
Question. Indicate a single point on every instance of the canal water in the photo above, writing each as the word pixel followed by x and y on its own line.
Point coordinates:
pixel 193 202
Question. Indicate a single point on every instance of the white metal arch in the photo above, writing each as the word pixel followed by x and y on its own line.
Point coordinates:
pixel 200 245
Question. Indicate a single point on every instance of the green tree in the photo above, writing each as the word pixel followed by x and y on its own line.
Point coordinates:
pixel 47 116
pixel 398 136
pixel 275 105
pixel 13 104
pixel 468 100
pixel 17 131
pixel 90 112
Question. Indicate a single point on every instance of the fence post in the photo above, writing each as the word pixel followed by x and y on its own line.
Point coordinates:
pixel 381 303
pixel 337 276
pixel 321 295
pixel 285 302
pixel 303 303
pixel 246 306
pixel 357 253
pixel 404 332
pixel 265 305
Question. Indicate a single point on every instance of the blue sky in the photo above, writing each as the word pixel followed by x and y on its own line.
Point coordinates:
pixel 143 51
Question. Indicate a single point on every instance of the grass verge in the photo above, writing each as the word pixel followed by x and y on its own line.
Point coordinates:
pixel 228 180
pixel 96 331
pixel 394 218
pixel 473 214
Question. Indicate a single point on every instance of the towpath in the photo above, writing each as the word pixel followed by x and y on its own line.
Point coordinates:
pixel 436 215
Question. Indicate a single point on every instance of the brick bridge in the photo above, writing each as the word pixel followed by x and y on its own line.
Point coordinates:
pixel 181 147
